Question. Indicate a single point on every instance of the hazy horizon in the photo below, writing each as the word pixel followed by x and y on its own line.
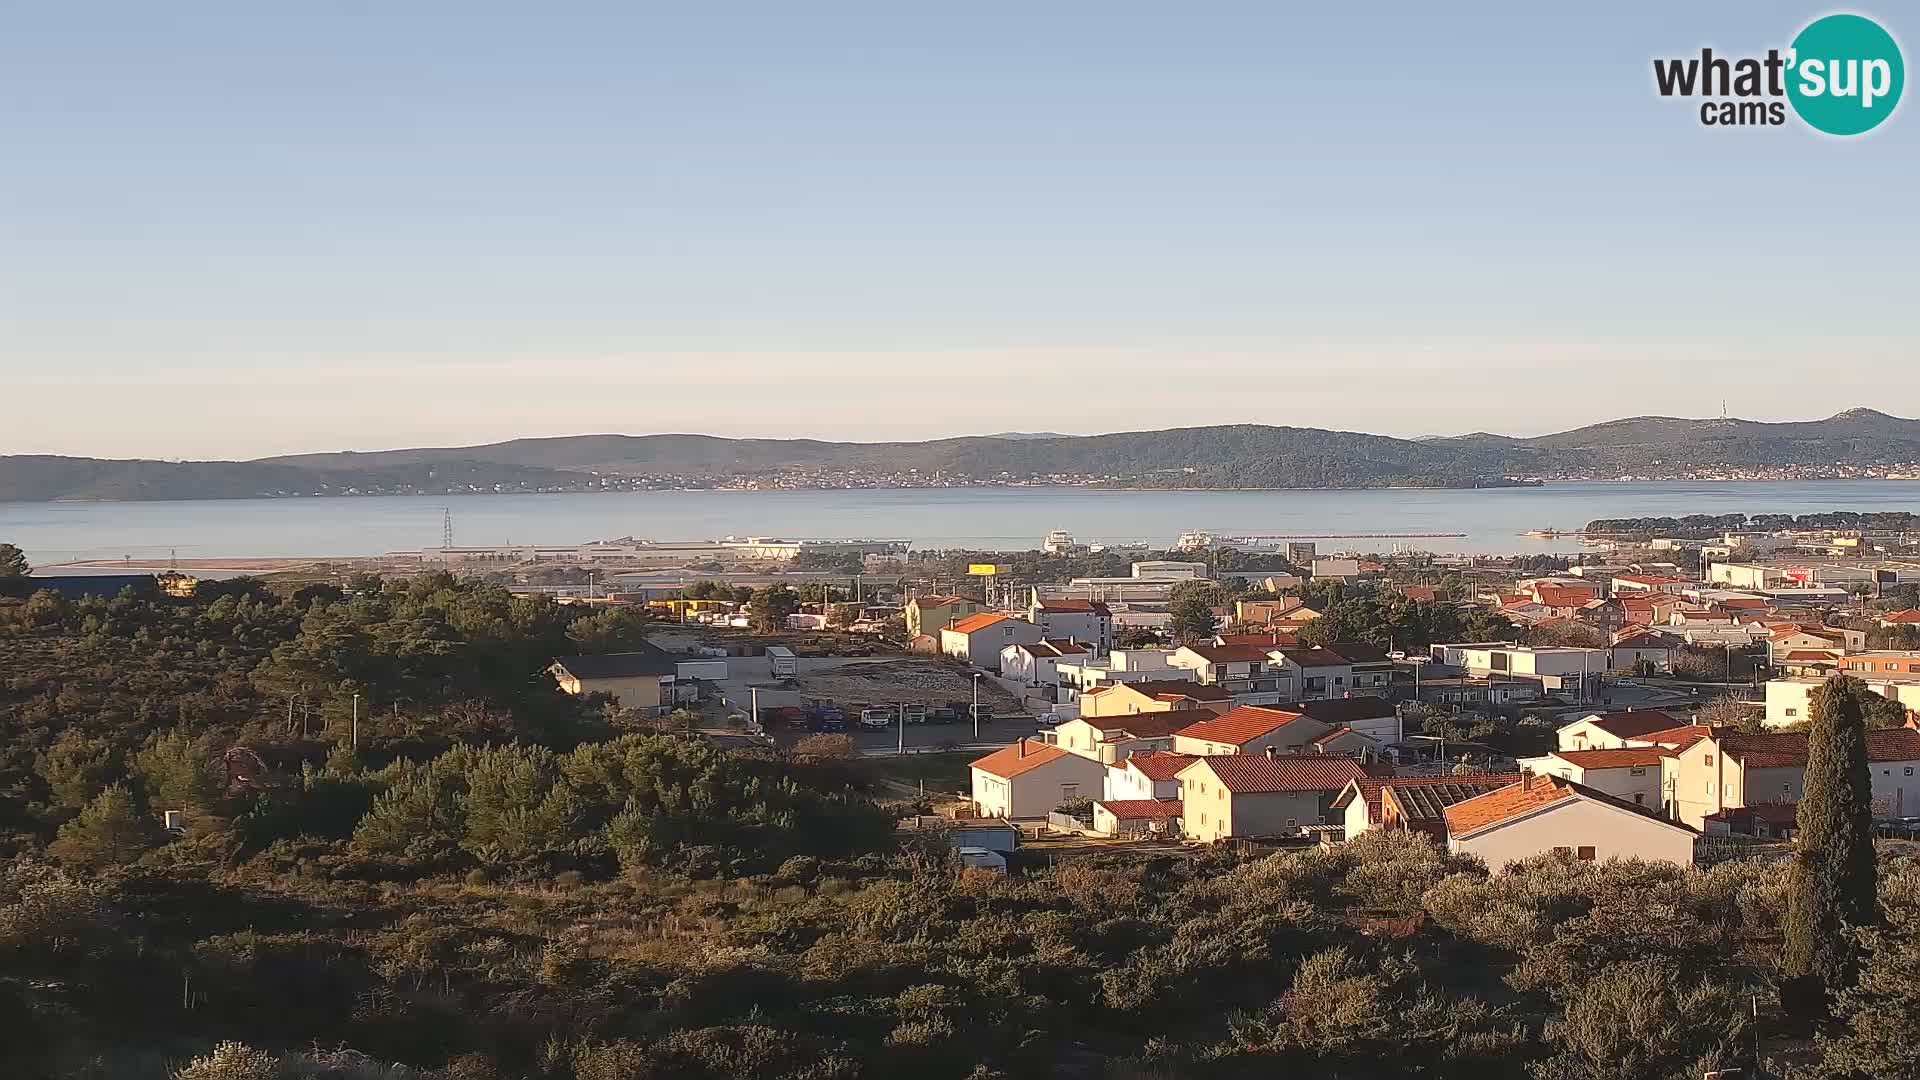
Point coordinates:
pixel 229 231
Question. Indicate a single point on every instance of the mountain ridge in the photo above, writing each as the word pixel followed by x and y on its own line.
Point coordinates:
pixel 1212 456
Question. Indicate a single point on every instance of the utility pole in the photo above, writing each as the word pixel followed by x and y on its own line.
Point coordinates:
pixel 356 723
pixel 755 692
pixel 976 706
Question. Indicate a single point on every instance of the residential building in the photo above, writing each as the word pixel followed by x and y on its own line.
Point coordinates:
pixel 1790 700
pixel 1412 803
pixel 1138 818
pixel 1250 729
pixel 1640 647
pixel 1116 738
pixel 1649 583
pixel 1029 779
pixel 1168 695
pixel 1119 666
pixel 931 614
pixel 642 679
pixel 1371 671
pixel 1893 620
pixel 1245 671
pixel 1629 773
pixel 1376 718
pixel 1088 622
pixel 1317 673
pixel 1728 770
pixel 1037 663
pixel 1243 795
pixel 1612 730
pixel 1882 663
pixel 1350 743
pixel 1148 774
pixel 1782 640
pixel 1544 814
pixel 978 639
pixel 1170 570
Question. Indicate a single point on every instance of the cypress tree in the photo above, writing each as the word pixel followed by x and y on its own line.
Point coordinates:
pixel 1832 888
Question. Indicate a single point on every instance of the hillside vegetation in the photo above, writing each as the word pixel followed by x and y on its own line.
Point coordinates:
pixel 1233 456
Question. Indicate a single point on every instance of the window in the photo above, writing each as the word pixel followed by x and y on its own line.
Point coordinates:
pixel 1640 797
pixel 1709 787
pixel 1637 770
pixel 1586 854
pixel 1069 792
pixel 1293 823
pixel 1223 794
pixel 1786 789
pixel 1909 770
pixel 1709 759
pixel 1790 712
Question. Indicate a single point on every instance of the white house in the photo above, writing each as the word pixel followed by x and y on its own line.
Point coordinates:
pixel 1246 671
pixel 1317 673
pixel 1029 779
pixel 1261 795
pixel 1630 774
pixel 1150 774
pixel 1612 730
pixel 1088 622
pixel 1037 664
pixel 1727 770
pixel 1543 814
pixel 978 639
pixel 1790 700
pixel 1116 738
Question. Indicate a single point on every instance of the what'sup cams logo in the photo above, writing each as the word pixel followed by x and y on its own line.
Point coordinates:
pixel 1842 75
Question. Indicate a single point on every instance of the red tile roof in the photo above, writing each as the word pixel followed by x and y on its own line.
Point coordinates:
pixel 1645 640
pixel 1911 615
pixel 1258 774
pixel 1142 809
pixel 1812 655
pixel 1339 711
pixel 1676 738
pixel 1095 606
pixel 1158 764
pixel 1023 756
pixel 1240 726
pixel 1628 725
pixel 1509 802
pixel 1788 749
pixel 974 623
pixel 1632 756
pixel 1359 652
pixel 1424 594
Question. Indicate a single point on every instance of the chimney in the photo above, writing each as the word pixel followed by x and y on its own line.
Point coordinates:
pixel 1272 752
pixel 1023 746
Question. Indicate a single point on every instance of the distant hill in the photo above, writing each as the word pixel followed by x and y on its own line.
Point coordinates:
pixel 1228 456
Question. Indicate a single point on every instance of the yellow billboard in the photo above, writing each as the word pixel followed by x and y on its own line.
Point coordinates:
pixel 987 569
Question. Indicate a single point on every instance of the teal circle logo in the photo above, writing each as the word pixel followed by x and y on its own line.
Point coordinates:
pixel 1845 74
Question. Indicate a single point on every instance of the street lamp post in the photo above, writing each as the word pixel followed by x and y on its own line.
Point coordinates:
pixel 356 723
pixel 976 706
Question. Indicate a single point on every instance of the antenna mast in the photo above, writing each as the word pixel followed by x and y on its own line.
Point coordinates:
pixel 446 528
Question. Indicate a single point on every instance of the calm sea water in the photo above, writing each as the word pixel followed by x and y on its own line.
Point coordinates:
pixel 986 518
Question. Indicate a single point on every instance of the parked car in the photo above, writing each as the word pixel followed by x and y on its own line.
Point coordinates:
pixel 913 714
pixel 876 719
pixel 942 714
pixel 982 712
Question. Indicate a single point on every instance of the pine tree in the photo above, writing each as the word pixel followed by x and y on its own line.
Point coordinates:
pixel 1832 888
pixel 110 831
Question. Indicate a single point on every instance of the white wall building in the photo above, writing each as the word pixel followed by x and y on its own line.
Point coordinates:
pixel 1549 814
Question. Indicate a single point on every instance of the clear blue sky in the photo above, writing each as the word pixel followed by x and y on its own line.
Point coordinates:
pixel 242 229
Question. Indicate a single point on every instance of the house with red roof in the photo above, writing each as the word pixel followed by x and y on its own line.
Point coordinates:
pixel 1030 778
pixel 1114 739
pixel 1611 730
pixel 1149 774
pixel 1129 818
pixel 978 639
pixel 1637 648
pixel 1089 622
pixel 1411 803
pixel 1730 769
pixel 1152 695
pixel 1629 773
pixel 1893 620
pixel 1251 729
pixel 1544 814
pixel 1246 795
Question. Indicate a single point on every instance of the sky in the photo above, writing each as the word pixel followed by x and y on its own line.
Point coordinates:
pixel 236 230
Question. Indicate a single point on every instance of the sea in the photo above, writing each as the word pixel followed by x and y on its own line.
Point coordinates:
pixel 1489 521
